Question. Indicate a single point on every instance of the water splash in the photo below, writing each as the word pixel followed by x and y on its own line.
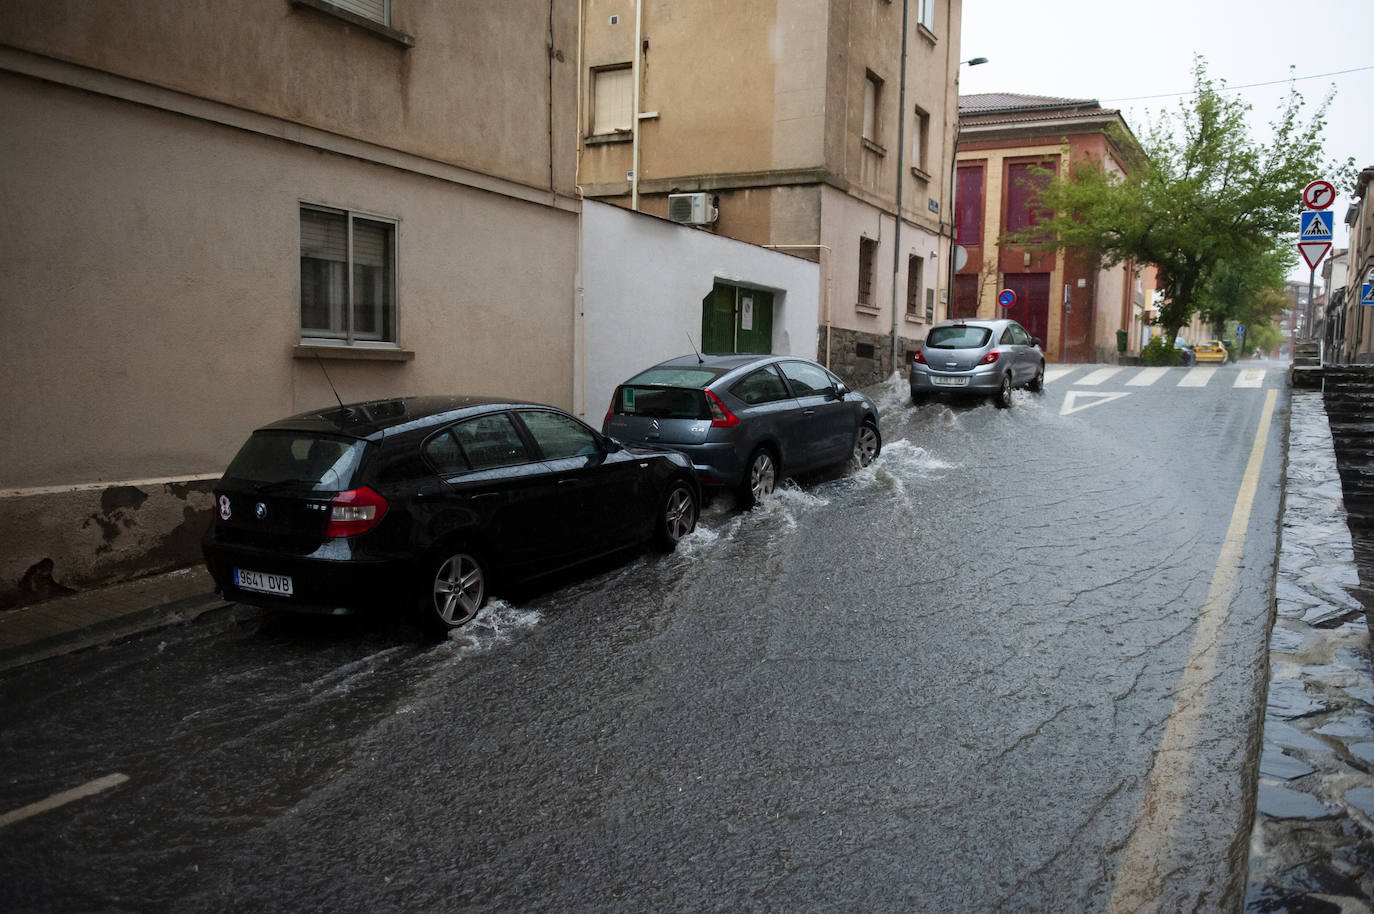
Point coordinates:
pixel 498 623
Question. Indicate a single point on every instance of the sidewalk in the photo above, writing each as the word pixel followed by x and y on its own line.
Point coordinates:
pixel 90 618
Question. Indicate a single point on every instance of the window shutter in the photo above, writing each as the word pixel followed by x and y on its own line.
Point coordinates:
pixel 376 10
pixel 324 236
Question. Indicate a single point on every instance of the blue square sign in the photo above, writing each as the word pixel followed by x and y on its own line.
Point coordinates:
pixel 1367 294
pixel 1315 226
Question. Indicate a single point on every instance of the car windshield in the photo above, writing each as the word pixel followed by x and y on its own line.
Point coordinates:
pixel 310 461
pixel 958 337
pixel 686 376
pixel 661 402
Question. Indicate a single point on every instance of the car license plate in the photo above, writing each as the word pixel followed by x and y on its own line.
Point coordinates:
pixel 950 382
pixel 276 584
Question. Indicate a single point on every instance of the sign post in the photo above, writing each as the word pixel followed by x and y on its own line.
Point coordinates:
pixel 1315 234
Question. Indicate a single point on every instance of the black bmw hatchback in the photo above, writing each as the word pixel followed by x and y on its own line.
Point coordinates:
pixel 426 501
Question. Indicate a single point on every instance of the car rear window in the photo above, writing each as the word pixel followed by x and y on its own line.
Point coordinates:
pixel 661 402
pixel 317 462
pixel 958 337
pixel 690 376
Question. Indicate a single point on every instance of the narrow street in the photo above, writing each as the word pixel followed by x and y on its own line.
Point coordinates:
pixel 1016 664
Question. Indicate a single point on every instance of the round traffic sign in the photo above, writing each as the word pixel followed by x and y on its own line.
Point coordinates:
pixel 1006 298
pixel 1318 195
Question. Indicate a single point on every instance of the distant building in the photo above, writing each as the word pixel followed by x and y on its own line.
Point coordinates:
pixel 1075 309
pixel 783 124
pixel 1359 336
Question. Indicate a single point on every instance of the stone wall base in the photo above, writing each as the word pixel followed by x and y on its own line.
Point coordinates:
pixel 63 542
pixel 862 359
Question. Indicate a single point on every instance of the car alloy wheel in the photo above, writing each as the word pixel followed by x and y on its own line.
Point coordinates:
pixel 458 591
pixel 1004 392
pixel 679 515
pixel 867 444
pixel 760 479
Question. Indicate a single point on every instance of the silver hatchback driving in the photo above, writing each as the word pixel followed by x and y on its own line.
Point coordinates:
pixel 965 356
pixel 746 421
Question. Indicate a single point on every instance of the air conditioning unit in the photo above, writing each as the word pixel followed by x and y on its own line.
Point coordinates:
pixel 692 209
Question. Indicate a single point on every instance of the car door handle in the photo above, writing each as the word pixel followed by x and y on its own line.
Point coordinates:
pixel 567 482
pixel 808 412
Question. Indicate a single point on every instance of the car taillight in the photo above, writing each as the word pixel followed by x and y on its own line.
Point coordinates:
pixel 989 358
pixel 610 410
pixel 358 511
pixel 720 416
pixel 920 357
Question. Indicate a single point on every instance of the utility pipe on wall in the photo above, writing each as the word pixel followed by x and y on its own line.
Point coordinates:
pixel 901 147
pixel 634 113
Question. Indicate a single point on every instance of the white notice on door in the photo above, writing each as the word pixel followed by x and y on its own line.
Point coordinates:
pixel 746 313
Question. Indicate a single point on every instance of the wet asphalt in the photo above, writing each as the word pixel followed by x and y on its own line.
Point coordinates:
pixel 938 683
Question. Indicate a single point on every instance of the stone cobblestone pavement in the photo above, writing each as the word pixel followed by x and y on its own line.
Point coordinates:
pixel 1312 846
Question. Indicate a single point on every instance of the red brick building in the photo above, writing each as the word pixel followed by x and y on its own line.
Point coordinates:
pixel 1074 309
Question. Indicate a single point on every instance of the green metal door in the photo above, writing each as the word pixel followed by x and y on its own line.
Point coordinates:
pixel 735 319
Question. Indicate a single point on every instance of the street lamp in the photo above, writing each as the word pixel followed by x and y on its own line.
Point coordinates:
pixel 953 170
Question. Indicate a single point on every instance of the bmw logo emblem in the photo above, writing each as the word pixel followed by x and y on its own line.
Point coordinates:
pixel 260 510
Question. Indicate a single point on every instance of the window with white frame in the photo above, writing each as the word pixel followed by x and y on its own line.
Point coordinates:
pixel 873 87
pixel 925 13
pixel 920 140
pixel 348 277
pixel 612 99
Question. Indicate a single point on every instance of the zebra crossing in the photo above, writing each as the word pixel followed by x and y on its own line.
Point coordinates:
pixel 1197 376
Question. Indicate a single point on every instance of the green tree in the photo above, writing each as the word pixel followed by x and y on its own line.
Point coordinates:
pixel 1204 194
pixel 1248 291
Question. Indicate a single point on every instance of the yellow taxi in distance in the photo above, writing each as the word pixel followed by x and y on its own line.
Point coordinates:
pixel 1210 351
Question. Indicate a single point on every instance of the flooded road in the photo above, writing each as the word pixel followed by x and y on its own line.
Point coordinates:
pixel 939 683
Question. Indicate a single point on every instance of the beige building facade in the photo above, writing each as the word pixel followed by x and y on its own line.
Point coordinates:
pixel 790 117
pixel 210 206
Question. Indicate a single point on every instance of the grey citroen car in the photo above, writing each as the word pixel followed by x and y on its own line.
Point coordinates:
pixel 977 357
pixel 746 421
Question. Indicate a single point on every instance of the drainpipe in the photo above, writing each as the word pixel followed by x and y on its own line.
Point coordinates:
pixel 901 148
pixel 634 114
pixel 824 250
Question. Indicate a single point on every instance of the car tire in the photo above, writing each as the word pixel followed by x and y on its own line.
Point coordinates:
pixel 677 515
pixel 917 399
pixel 760 478
pixel 1003 396
pixel 867 444
pixel 1037 384
pixel 452 592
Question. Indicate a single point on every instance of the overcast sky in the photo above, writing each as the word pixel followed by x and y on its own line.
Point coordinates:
pixel 1117 52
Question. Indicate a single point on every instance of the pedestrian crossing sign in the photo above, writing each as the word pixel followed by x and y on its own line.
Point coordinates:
pixel 1316 226
pixel 1367 294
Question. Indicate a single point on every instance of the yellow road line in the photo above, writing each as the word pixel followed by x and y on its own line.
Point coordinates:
pixel 1141 876
pixel 88 789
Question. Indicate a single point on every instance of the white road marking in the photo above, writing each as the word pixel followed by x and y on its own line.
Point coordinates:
pixel 1250 377
pixel 1055 372
pixel 1146 376
pixel 89 789
pixel 1097 377
pixel 1197 377
pixel 1147 863
pixel 1092 397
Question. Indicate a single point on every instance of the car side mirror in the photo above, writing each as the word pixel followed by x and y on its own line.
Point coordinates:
pixel 1035 341
pixel 610 445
